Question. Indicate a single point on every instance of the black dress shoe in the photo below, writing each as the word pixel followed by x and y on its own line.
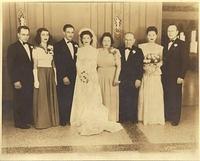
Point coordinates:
pixel 134 121
pixel 23 126
pixel 174 123
pixel 63 123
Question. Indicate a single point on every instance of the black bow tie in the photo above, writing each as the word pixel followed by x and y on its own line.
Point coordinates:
pixel 171 41
pixel 69 42
pixel 128 48
pixel 24 43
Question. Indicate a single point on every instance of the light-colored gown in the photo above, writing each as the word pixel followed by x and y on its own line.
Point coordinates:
pixel 151 101
pixel 45 103
pixel 88 113
pixel 107 63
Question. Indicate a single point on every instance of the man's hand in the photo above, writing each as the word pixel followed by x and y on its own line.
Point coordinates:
pixel 36 84
pixel 179 80
pixel 137 83
pixel 116 82
pixel 18 85
pixel 66 81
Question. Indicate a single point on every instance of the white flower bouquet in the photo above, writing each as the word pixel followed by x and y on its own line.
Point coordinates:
pixel 152 59
pixel 151 63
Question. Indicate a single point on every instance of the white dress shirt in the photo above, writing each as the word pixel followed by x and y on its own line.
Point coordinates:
pixel 26 47
pixel 127 52
pixel 71 48
pixel 170 43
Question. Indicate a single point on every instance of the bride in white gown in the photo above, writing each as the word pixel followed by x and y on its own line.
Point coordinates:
pixel 88 113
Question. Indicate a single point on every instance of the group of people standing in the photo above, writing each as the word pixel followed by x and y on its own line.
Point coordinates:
pixel 96 89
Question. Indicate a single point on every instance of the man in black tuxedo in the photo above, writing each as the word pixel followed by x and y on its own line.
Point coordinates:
pixel 175 62
pixel 130 79
pixel 20 68
pixel 65 62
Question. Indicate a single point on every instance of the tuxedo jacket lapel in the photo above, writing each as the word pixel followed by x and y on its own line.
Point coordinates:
pixel 130 53
pixel 66 49
pixel 23 51
pixel 75 50
pixel 123 55
pixel 172 46
pixel 29 45
pixel 171 51
pixel 168 49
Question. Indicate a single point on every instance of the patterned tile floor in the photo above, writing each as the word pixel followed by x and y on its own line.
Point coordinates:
pixel 134 137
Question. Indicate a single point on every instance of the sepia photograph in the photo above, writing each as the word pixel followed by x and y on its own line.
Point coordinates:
pixel 107 79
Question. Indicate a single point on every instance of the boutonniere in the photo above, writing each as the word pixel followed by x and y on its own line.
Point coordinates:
pixel 133 51
pixel 113 51
pixel 76 46
pixel 31 46
pixel 50 49
pixel 175 45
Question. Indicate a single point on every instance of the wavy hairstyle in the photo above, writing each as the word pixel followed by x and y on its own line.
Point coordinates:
pixel 38 36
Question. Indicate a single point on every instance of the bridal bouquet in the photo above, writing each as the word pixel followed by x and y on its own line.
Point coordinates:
pixel 151 63
pixel 84 77
pixel 152 59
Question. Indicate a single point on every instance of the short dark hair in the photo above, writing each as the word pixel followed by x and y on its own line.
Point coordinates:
pixel 67 26
pixel 38 36
pixel 22 27
pixel 87 32
pixel 152 28
pixel 107 34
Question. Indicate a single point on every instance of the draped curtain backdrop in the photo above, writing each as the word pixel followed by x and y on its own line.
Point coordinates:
pixel 101 17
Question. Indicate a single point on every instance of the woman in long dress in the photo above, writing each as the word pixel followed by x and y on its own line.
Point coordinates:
pixel 45 105
pixel 151 103
pixel 88 113
pixel 109 66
